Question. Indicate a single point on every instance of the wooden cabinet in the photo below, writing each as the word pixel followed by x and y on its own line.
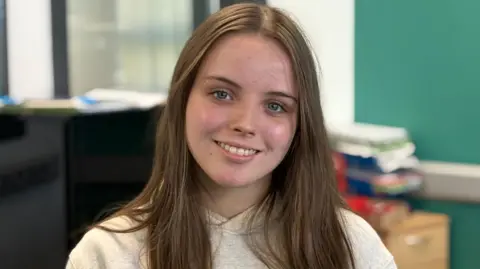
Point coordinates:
pixel 421 241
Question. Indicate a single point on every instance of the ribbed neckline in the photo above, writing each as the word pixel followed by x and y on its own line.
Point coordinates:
pixel 239 224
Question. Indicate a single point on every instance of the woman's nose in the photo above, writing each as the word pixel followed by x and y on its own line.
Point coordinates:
pixel 244 120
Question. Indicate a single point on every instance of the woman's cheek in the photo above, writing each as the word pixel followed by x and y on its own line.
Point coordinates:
pixel 280 134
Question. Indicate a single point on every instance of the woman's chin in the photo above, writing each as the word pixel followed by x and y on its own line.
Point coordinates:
pixel 238 181
pixel 231 182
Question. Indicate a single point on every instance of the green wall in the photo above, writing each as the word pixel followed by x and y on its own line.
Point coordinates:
pixel 417 65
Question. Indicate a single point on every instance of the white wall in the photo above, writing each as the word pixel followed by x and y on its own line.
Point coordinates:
pixel 30 66
pixel 329 25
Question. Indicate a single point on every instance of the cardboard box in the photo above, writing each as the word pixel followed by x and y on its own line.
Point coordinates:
pixel 385 214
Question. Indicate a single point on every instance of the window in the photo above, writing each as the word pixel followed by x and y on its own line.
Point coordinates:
pixel 125 44
pixel 3 50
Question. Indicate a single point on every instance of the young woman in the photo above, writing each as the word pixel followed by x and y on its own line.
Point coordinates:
pixel 243 176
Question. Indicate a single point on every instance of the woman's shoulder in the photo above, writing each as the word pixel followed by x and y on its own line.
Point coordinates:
pixel 102 249
pixel 369 250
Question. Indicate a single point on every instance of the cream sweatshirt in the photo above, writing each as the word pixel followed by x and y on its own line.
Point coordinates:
pixel 99 249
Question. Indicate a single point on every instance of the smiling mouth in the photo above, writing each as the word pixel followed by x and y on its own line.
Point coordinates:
pixel 243 152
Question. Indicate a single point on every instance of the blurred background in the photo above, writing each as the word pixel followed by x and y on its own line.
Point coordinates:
pixel 399 82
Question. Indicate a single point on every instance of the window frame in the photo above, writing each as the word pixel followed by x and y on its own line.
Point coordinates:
pixel 201 10
pixel 224 3
pixel 4 45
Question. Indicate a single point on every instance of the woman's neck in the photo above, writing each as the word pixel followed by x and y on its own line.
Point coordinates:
pixel 229 202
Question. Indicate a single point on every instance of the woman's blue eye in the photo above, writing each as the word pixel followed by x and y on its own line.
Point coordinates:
pixel 275 107
pixel 221 95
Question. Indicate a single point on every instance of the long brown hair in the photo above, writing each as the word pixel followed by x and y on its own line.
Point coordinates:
pixel 304 187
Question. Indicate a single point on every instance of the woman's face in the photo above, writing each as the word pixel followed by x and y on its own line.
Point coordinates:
pixel 242 111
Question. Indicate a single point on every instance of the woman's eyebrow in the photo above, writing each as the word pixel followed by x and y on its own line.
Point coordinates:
pixel 282 94
pixel 225 80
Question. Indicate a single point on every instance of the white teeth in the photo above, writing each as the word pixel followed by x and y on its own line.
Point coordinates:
pixel 237 151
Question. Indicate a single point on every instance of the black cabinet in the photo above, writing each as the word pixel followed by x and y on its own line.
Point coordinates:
pixel 109 159
pixel 33 227
pixel 59 173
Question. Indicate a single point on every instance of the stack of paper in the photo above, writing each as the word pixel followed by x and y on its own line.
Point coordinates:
pixel 380 159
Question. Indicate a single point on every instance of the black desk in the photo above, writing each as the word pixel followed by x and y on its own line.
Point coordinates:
pixel 70 169
pixel 33 230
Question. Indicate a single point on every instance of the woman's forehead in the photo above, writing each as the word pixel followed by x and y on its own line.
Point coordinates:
pixel 249 59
